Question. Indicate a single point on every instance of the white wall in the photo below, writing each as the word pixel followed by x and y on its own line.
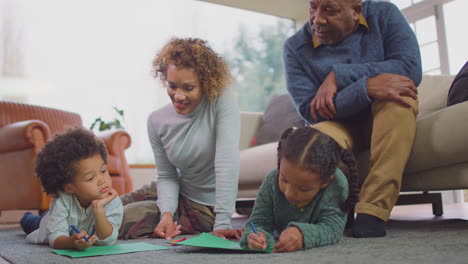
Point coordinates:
pixel 141 177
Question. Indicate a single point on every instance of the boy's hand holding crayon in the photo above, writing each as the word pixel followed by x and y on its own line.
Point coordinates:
pixel 81 241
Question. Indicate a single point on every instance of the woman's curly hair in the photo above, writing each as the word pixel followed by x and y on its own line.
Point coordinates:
pixel 212 70
pixel 56 163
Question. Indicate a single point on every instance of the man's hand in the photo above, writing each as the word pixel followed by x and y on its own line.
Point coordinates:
pixel 393 87
pixel 290 240
pixel 229 233
pixel 323 100
pixel 255 241
pixel 166 228
pixel 80 243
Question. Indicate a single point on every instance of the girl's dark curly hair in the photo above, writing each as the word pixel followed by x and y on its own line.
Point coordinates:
pixel 212 70
pixel 56 163
pixel 318 152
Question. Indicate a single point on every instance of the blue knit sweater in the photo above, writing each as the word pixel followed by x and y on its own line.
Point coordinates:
pixel 387 46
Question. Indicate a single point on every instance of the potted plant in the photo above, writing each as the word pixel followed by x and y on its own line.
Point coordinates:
pixel 115 123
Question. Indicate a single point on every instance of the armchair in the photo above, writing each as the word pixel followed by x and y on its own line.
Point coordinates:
pixel 24 129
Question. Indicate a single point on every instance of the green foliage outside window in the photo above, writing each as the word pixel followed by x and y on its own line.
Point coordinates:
pixel 257 65
pixel 108 125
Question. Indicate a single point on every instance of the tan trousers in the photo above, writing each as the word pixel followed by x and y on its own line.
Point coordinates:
pixel 389 130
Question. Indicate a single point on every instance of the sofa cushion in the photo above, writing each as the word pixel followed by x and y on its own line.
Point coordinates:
pixel 279 115
pixel 255 164
pixel 432 93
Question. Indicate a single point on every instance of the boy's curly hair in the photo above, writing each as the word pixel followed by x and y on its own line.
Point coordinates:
pixel 212 70
pixel 56 163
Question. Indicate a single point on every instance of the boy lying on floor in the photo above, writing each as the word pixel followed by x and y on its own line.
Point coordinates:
pixel 72 168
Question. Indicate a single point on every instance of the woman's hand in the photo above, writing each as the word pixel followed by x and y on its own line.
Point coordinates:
pixel 290 240
pixel 166 228
pixel 80 243
pixel 255 241
pixel 229 233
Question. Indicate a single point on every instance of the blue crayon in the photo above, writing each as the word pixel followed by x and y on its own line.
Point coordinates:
pixel 78 231
pixel 253 227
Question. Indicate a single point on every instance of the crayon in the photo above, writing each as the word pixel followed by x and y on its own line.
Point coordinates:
pixel 253 227
pixel 78 231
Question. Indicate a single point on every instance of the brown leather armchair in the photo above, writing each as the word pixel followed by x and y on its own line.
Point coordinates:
pixel 24 129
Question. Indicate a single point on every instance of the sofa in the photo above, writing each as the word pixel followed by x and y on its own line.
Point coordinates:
pixel 24 129
pixel 438 160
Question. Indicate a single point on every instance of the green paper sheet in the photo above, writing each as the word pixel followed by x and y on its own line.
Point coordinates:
pixel 109 250
pixel 210 241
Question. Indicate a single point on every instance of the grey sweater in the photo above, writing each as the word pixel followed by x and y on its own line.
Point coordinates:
pixel 321 222
pixel 197 155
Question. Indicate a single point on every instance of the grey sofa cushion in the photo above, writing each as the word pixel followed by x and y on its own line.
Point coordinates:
pixel 433 94
pixel 279 115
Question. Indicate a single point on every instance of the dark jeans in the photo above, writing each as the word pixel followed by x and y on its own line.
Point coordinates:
pixel 30 222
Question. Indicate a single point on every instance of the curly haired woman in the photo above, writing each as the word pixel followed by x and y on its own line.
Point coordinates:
pixel 195 141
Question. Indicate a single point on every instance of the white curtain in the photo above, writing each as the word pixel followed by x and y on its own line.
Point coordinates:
pixel 11 39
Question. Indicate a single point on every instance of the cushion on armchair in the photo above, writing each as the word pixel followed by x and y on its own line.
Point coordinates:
pixel 279 115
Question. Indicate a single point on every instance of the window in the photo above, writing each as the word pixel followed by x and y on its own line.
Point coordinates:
pixel 437 25
pixel 426 33
pixel 457 39
pixel 88 56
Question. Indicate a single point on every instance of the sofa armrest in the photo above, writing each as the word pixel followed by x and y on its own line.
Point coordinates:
pixel 441 139
pixel 250 122
pixel 22 135
pixel 115 140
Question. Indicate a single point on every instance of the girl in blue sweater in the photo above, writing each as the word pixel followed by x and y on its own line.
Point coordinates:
pixel 305 200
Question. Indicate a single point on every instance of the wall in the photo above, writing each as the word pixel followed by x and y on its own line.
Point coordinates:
pixel 142 176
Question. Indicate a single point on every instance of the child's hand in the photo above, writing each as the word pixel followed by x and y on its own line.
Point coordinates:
pixel 229 233
pixel 166 228
pixel 255 241
pixel 80 243
pixel 290 240
pixel 98 204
